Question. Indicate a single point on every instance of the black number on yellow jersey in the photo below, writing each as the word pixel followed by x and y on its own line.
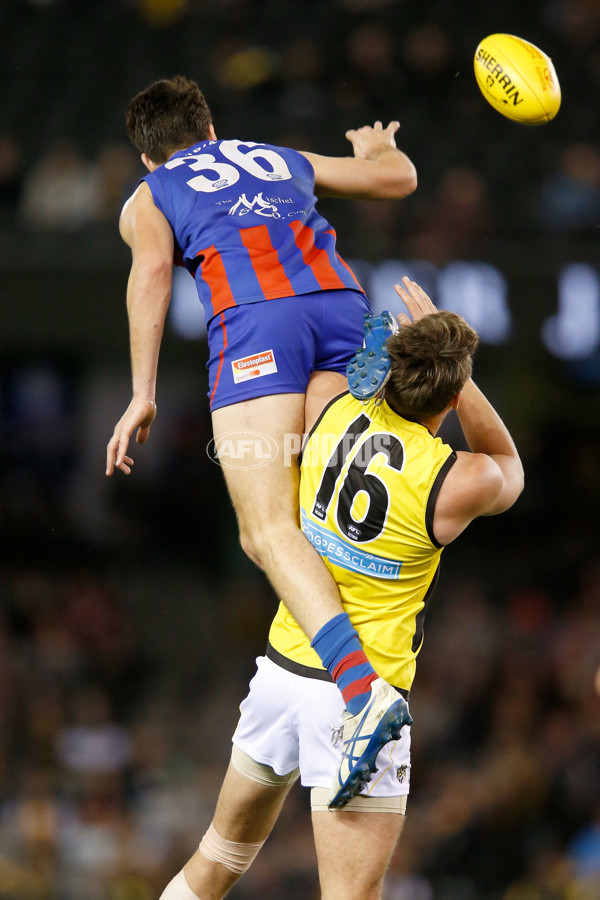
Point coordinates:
pixel 357 479
pixel 334 465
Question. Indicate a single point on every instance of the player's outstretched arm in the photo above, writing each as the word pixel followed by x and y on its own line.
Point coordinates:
pixel 487 435
pixel 486 481
pixel 149 235
pixel 377 171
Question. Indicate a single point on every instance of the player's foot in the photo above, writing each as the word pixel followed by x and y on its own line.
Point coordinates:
pixel 363 736
pixel 370 367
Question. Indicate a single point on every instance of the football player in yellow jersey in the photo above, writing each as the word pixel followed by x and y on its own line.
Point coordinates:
pixel 380 497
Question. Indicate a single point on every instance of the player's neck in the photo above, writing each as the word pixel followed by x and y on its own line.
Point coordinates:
pixel 432 424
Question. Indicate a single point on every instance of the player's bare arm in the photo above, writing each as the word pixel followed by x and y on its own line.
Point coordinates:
pixel 144 228
pixel 377 171
pixel 489 479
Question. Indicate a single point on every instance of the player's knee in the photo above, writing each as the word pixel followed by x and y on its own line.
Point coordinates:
pixel 236 857
pixel 257 541
pixel 250 547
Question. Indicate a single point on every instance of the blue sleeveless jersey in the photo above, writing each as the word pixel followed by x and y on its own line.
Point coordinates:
pixel 244 220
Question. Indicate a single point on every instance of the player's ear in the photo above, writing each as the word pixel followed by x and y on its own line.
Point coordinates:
pixel 211 132
pixel 148 162
pixel 455 402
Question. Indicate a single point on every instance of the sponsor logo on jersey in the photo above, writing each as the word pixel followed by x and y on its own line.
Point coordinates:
pixel 401 773
pixel 348 556
pixel 259 205
pixel 253 366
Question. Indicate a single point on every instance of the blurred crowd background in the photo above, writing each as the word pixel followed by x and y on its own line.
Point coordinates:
pixel 129 618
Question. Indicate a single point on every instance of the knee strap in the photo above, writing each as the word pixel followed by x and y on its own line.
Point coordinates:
pixel 235 857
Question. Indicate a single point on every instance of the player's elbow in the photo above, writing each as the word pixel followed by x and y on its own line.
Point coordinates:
pixel 398 184
pixel 154 267
pixel 409 182
pixel 516 483
pixel 151 276
pixel 509 486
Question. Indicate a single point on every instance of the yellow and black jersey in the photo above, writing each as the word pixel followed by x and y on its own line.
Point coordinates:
pixel 369 482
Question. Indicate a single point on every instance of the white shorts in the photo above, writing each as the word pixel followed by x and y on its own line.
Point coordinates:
pixel 292 722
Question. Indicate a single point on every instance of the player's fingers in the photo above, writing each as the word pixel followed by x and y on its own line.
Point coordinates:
pixel 414 298
pixel 403 319
pixel 424 299
pixel 350 133
pixel 393 127
pixel 413 288
pixel 378 126
pixel 418 295
pixel 404 295
pixel 122 444
pixel 111 452
pixel 124 467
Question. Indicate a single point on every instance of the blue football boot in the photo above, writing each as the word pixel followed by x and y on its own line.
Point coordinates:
pixel 363 736
pixel 370 367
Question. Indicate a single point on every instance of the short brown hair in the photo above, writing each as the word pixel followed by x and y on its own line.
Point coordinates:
pixel 432 359
pixel 169 115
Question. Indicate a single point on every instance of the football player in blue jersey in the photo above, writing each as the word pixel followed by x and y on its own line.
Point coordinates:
pixel 282 309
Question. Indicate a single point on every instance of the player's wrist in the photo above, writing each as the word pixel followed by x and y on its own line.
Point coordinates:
pixel 144 396
pixel 381 150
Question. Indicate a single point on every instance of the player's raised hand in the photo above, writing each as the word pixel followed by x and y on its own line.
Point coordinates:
pixel 139 414
pixel 417 302
pixel 368 142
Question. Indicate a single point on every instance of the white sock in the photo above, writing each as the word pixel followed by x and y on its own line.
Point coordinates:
pixel 178 889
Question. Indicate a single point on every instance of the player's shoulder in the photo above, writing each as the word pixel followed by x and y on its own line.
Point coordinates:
pixel 138 208
pixel 130 207
pixel 141 197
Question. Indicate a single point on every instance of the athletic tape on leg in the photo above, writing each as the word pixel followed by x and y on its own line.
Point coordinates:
pixel 235 857
pixel 178 889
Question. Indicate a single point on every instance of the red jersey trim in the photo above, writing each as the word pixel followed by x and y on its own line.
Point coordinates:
pixel 265 262
pixel 221 357
pixel 317 260
pixel 215 277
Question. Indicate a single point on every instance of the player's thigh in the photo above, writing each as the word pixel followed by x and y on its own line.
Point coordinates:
pixel 258 442
pixel 354 851
pixel 323 387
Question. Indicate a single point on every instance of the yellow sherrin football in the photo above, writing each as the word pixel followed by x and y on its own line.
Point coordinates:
pixel 517 78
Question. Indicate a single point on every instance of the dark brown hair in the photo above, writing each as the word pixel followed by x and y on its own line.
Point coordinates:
pixel 432 359
pixel 169 115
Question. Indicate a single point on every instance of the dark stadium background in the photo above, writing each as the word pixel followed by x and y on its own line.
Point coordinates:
pixel 129 618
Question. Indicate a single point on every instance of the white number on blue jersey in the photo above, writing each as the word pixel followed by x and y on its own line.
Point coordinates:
pixel 268 165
